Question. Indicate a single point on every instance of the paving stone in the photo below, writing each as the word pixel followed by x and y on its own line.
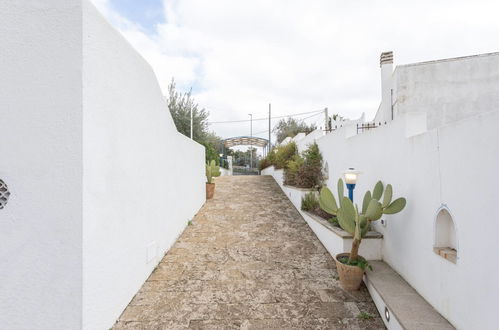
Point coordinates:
pixel 248 261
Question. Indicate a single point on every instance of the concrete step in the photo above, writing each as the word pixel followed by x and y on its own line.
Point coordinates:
pixel 399 305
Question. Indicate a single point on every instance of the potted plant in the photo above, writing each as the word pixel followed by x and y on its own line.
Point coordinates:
pixel 212 170
pixel 351 266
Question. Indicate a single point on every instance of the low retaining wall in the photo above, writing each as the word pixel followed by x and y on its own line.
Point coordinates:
pixel 334 239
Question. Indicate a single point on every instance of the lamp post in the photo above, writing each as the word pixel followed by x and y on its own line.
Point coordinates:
pixel 251 140
pixel 351 179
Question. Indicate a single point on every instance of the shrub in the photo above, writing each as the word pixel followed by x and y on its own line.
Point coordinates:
pixel 283 154
pixel 291 170
pixel 309 174
pixel 264 163
pixel 313 155
pixel 309 202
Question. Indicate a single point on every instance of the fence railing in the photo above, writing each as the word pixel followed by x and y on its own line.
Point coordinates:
pixel 368 126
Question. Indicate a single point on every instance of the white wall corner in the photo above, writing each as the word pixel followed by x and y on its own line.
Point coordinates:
pixel 350 130
pixel 415 123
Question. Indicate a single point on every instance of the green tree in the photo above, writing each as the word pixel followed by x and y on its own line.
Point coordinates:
pixel 180 105
pixel 290 127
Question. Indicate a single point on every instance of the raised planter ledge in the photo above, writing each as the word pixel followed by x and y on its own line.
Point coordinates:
pixel 399 305
pixel 336 240
pixel 340 232
pixel 299 189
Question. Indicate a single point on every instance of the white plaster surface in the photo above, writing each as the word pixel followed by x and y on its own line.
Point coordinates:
pixel 101 181
pixel 143 181
pixel 41 162
pixel 448 90
pixel 310 138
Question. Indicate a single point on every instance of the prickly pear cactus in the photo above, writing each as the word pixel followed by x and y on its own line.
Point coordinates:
pixel 212 170
pixel 349 217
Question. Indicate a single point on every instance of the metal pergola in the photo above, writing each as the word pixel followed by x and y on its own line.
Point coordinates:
pixel 251 141
pixel 245 141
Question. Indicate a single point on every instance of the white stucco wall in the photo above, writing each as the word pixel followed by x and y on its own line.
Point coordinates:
pixel 451 165
pixel 143 181
pixel 441 150
pixel 448 90
pixel 310 138
pixel 41 162
pixel 101 182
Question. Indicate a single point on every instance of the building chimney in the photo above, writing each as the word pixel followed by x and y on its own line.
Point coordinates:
pixel 386 65
pixel 385 58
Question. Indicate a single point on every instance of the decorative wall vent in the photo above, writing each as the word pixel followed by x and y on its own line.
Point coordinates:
pixel 445 235
pixel 4 194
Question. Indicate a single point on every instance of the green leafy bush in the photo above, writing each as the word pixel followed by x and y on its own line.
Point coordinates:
pixel 305 171
pixel 292 168
pixel 309 202
pixel 269 160
pixel 312 154
pixel 284 154
pixel 264 163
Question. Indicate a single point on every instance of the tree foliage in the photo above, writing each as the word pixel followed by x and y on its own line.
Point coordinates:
pixel 180 105
pixel 290 127
pixel 242 158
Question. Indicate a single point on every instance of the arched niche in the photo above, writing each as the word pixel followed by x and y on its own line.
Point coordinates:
pixel 445 244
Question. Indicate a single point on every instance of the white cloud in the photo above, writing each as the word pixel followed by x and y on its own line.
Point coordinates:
pixel 301 55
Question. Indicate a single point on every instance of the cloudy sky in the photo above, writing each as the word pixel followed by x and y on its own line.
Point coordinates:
pixel 301 56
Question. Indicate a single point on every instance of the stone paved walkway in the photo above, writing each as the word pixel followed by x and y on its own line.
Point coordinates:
pixel 247 261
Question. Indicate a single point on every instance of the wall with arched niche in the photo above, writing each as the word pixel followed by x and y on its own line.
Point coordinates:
pixel 445 244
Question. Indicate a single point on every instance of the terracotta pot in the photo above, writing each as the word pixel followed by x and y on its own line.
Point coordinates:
pixel 210 190
pixel 350 276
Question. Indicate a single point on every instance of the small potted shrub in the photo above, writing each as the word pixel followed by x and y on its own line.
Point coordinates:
pixel 351 266
pixel 212 170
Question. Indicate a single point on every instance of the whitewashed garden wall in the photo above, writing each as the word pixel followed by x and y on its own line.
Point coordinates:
pixel 440 154
pixel 101 182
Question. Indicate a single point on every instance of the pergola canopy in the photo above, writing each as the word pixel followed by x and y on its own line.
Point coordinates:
pixel 245 141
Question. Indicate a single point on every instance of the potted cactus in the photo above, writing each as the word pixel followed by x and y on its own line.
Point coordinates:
pixel 351 266
pixel 212 170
